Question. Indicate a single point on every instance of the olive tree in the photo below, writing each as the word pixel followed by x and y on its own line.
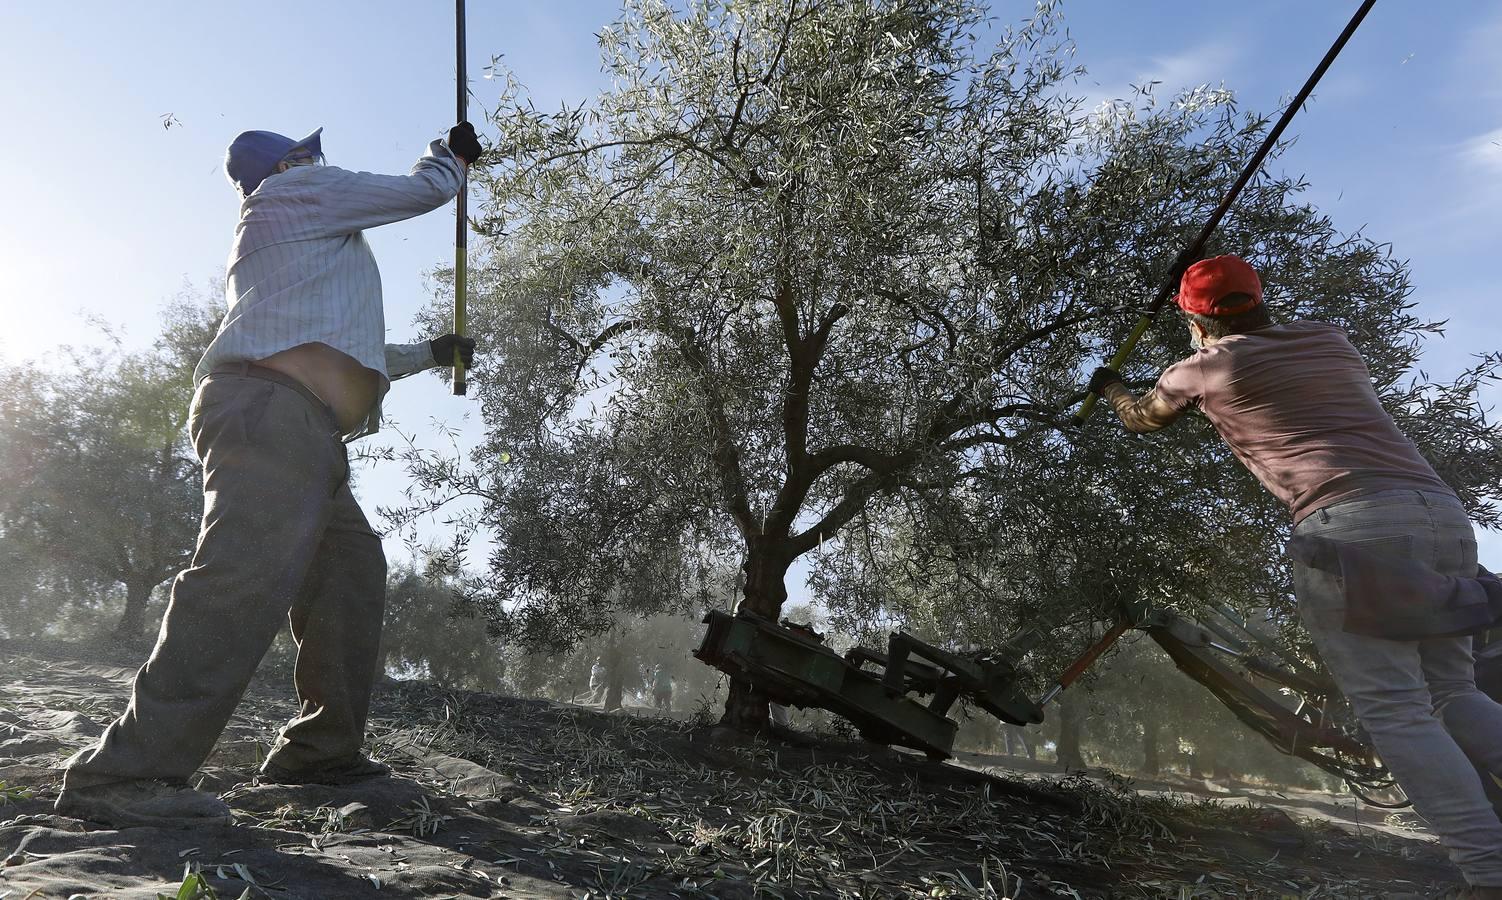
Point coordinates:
pixel 100 488
pixel 821 279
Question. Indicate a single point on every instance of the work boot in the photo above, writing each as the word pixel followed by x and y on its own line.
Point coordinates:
pixel 345 771
pixel 143 802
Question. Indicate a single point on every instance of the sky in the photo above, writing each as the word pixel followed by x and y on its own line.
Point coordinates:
pixel 113 197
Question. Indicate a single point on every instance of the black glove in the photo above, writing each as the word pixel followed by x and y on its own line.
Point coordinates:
pixel 464 144
pixel 443 349
pixel 1102 377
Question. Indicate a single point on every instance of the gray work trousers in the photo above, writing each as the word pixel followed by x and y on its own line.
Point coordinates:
pixel 1015 738
pixel 1417 699
pixel 282 539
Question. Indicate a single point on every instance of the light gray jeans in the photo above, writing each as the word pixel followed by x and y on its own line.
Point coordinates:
pixel 1417 699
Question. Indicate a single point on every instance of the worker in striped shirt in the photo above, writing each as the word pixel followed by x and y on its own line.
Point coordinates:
pixel 298 368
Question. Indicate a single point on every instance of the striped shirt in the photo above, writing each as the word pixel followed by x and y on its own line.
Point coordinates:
pixel 300 271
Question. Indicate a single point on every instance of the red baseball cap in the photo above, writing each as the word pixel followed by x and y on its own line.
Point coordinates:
pixel 1208 281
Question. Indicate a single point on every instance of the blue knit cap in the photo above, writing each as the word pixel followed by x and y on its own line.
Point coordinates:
pixel 253 155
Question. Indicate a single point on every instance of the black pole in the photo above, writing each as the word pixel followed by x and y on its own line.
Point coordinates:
pixel 461 224
pixel 1193 252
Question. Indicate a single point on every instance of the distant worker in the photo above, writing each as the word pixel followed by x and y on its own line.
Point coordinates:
pixel 1016 735
pixel 1295 403
pixel 662 689
pixel 781 716
pixel 298 368
pixel 597 686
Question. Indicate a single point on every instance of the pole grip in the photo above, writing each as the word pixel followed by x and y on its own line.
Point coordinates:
pixel 461 224
pixel 461 260
pixel 1143 323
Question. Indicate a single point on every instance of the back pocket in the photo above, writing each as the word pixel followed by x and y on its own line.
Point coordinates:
pixel 1398 546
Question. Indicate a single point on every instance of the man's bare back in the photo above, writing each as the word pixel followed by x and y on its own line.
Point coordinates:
pixel 346 386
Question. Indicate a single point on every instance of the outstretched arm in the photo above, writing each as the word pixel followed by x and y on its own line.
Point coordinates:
pixel 408 359
pixel 353 201
pixel 1140 415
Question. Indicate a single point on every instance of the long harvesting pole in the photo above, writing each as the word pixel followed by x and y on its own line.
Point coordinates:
pixel 1193 251
pixel 461 217
pixel 1086 660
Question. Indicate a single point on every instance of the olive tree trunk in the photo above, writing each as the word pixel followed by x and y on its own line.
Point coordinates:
pixel 765 572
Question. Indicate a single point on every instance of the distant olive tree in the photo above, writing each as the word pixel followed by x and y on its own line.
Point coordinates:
pixel 822 278
pixel 100 488
pixel 630 650
pixel 432 635
pixel 1144 715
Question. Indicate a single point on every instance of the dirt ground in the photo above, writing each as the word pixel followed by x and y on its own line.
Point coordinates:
pixel 1343 810
pixel 498 797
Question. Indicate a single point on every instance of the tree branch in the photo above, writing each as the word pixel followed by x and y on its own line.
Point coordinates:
pixel 849 507
pixel 820 338
pixel 951 334
pixel 957 422
pixel 725 453
pixel 747 178
pixel 875 460
pixel 978 440
pixel 782 45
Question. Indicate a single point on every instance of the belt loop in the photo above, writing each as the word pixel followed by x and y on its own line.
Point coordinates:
pixel 1324 517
